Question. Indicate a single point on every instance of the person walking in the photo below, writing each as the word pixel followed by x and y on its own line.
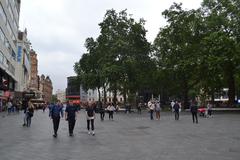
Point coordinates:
pixel 71 116
pixel 90 114
pixel 25 107
pixel 209 109
pixel 194 111
pixel 151 107
pixel 101 111
pixel 158 110
pixel 55 111
pixel 110 109
pixel 139 108
pixel 30 111
pixel 176 108
pixel 9 106
pixel 172 105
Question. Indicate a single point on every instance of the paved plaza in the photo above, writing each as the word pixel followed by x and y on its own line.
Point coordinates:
pixel 128 137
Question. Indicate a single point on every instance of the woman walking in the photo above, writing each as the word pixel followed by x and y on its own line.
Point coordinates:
pixel 110 109
pixel 158 109
pixel 30 111
pixel 90 114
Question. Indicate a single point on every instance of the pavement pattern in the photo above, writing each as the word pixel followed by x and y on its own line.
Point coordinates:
pixel 128 137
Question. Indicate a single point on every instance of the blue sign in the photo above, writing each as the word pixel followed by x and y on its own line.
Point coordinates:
pixel 19 56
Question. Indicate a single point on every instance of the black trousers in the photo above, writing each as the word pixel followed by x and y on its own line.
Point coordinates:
pixel 176 115
pixel 194 117
pixel 92 124
pixel 102 115
pixel 110 114
pixel 151 114
pixel 56 121
pixel 71 124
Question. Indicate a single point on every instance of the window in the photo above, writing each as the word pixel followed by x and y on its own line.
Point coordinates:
pixel 7 2
pixel 9 29
pixel 15 25
pixel 11 12
pixel 2 14
pixel 2 36
pixel 1 57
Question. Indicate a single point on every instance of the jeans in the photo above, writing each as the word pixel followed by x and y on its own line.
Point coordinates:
pixel 176 115
pixel 102 115
pixel 71 124
pixel 194 117
pixel 151 114
pixel 29 119
pixel 92 124
pixel 110 114
pixel 56 121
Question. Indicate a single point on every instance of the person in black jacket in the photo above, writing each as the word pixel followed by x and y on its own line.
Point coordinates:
pixel 71 116
pixel 176 108
pixel 194 111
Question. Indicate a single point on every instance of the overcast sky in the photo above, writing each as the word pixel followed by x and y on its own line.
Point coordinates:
pixel 58 28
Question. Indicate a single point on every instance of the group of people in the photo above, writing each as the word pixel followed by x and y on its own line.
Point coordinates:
pixel 56 112
pixel 154 106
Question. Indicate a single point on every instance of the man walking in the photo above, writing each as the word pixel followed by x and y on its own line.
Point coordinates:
pixel 176 108
pixel 54 113
pixel 194 111
pixel 71 116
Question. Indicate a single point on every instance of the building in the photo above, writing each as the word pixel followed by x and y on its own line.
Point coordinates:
pixel 34 78
pixel 46 88
pixel 61 95
pixel 23 69
pixel 9 22
pixel 73 90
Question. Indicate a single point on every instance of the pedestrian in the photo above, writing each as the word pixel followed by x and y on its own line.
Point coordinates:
pixel 194 111
pixel 151 107
pixel 139 108
pixel 110 109
pixel 172 105
pixel 101 111
pixel 176 108
pixel 71 116
pixel 55 112
pixel 158 110
pixel 30 111
pixel 209 109
pixel 9 106
pixel 25 107
pixel 90 114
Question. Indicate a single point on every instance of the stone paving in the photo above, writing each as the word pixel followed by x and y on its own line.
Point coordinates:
pixel 128 137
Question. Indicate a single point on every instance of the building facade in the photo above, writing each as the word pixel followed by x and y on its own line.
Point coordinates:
pixel 9 22
pixel 45 86
pixel 61 95
pixel 73 90
pixel 34 78
pixel 23 69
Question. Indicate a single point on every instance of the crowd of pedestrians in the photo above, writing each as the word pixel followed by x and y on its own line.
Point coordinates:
pixel 69 111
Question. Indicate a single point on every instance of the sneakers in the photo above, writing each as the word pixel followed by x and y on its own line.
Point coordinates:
pixel 91 133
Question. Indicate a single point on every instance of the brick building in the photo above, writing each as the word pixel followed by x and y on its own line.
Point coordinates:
pixel 45 86
pixel 34 79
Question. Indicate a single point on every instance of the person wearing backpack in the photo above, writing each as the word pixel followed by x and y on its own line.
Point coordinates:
pixel 71 116
pixel 176 108
pixel 30 111
pixel 90 114
pixel 55 111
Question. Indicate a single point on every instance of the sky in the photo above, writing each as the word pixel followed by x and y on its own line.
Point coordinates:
pixel 58 29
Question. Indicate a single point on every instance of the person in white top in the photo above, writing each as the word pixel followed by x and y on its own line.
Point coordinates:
pixel 151 106
pixel 172 104
pixel 110 109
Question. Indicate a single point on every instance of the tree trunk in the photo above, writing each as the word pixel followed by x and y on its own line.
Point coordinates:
pixel 99 95
pixel 231 91
pixel 115 96
pixel 104 95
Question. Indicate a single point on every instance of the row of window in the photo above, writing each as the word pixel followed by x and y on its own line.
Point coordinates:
pixel 6 22
pixel 6 63
pixel 6 43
